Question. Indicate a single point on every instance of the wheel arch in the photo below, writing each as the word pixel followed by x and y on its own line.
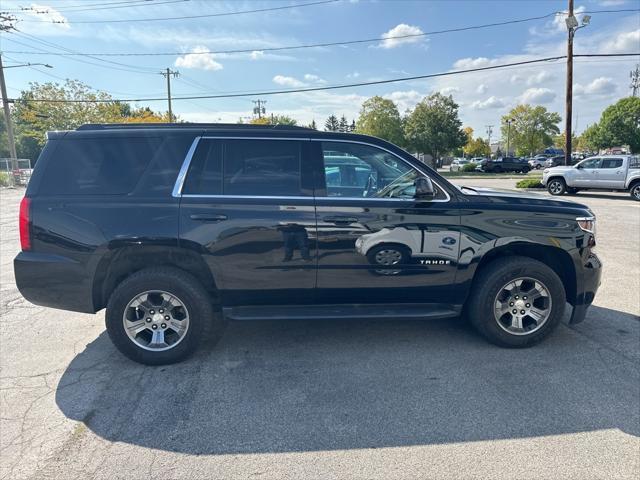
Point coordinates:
pixel 120 263
pixel 557 259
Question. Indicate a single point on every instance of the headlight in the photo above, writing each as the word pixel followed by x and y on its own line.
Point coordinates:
pixel 587 224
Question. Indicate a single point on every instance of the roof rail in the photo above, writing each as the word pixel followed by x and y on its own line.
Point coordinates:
pixel 222 126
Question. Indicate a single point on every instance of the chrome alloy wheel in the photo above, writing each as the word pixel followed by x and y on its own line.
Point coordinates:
pixel 388 257
pixel 156 320
pixel 555 187
pixel 522 306
pixel 636 191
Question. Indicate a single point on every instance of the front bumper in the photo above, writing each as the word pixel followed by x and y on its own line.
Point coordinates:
pixel 588 280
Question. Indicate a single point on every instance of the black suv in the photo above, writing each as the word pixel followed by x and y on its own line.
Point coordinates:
pixel 504 164
pixel 168 225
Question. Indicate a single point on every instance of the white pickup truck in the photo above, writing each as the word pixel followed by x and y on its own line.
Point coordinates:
pixel 606 172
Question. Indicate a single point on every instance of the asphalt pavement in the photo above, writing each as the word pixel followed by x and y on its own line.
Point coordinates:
pixel 381 399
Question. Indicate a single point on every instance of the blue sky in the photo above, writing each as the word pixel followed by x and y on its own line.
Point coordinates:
pixel 483 97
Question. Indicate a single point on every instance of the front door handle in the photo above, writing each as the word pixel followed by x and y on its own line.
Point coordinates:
pixel 340 220
pixel 206 217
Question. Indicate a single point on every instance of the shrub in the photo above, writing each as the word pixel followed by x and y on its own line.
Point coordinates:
pixel 529 183
pixel 4 179
pixel 469 167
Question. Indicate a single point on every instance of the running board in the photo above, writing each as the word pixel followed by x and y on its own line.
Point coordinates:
pixel 335 312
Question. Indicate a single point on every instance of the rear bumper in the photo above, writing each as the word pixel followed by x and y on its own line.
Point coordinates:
pixel 590 277
pixel 53 281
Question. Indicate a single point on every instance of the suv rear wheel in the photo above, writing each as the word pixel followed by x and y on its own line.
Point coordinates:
pixel 635 191
pixel 516 302
pixel 158 315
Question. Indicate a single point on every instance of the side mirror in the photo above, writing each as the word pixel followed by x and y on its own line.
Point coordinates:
pixel 579 167
pixel 424 188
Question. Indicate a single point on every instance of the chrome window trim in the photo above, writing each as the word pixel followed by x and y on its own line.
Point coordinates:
pixel 177 188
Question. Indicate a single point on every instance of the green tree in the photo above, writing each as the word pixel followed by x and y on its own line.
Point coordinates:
pixel 380 117
pixel 4 139
pixel 352 127
pixel 273 120
pixel 343 125
pixel 477 147
pixel 434 127
pixel 590 139
pixel 620 124
pixel 532 128
pixel 313 125
pixel 332 124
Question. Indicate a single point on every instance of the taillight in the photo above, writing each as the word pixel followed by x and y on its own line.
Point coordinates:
pixel 25 224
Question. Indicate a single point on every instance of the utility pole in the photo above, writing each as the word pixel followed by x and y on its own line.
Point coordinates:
pixel 572 26
pixel 7 121
pixel 259 107
pixel 168 73
pixel 489 132
pixel 635 80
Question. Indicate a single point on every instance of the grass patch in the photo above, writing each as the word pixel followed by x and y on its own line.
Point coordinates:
pixel 529 183
pixel 4 179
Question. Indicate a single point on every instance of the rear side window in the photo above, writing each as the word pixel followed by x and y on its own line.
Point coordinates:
pixel 611 163
pixel 262 167
pixel 98 166
pixel 205 171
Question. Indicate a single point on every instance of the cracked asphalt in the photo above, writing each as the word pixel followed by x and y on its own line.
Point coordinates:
pixel 359 399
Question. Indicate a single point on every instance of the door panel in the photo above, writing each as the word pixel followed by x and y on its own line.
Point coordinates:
pixel 359 240
pixel 611 173
pixel 247 208
pixel 262 252
pixel 587 176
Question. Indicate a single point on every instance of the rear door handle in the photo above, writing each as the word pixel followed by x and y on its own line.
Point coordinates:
pixel 206 217
pixel 339 219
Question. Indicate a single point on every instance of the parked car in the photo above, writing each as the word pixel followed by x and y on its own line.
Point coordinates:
pixel 458 163
pixel 537 162
pixel 619 172
pixel 504 164
pixel 554 161
pixel 175 228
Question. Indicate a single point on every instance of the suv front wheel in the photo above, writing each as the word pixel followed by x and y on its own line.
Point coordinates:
pixel 158 315
pixel 516 302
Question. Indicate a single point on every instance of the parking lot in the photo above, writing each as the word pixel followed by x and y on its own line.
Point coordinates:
pixel 327 399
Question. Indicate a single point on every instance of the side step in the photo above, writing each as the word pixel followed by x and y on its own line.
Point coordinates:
pixel 334 312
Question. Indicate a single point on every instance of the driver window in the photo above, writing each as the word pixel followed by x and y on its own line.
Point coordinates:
pixel 354 170
pixel 591 163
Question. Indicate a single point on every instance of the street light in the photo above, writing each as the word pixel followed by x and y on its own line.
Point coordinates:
pixel 509 121
pixel 7 115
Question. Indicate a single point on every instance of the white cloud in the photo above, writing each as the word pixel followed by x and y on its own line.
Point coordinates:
pixel 256 55
pixel 449 90
pixel 625 42
pixel 53 22
pixel 309 77
pixel 539 78
pixel 598 86
pixel 482 88
pixel 199 58
pixel 489 103
pixel 479 62
pixel 538 96
pixel 399 31
pixel 516 79
pixel 353 75
pixel 288 81
pixel 404 99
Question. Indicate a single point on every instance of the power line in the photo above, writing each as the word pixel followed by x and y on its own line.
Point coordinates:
pixel 98 6
pixel 186 17
pixel 350 85
pixel 327 44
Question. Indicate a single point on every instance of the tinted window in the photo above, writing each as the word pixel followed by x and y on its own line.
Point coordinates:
pixel 262 167
pixel 611 163
pixel 205 171
pixel 94 166
pixel 363 171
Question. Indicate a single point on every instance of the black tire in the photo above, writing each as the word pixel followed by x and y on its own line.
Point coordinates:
pixel 538 166
pixel 176 282
pixel 634 191
pixel 487 285
pixel 556 186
